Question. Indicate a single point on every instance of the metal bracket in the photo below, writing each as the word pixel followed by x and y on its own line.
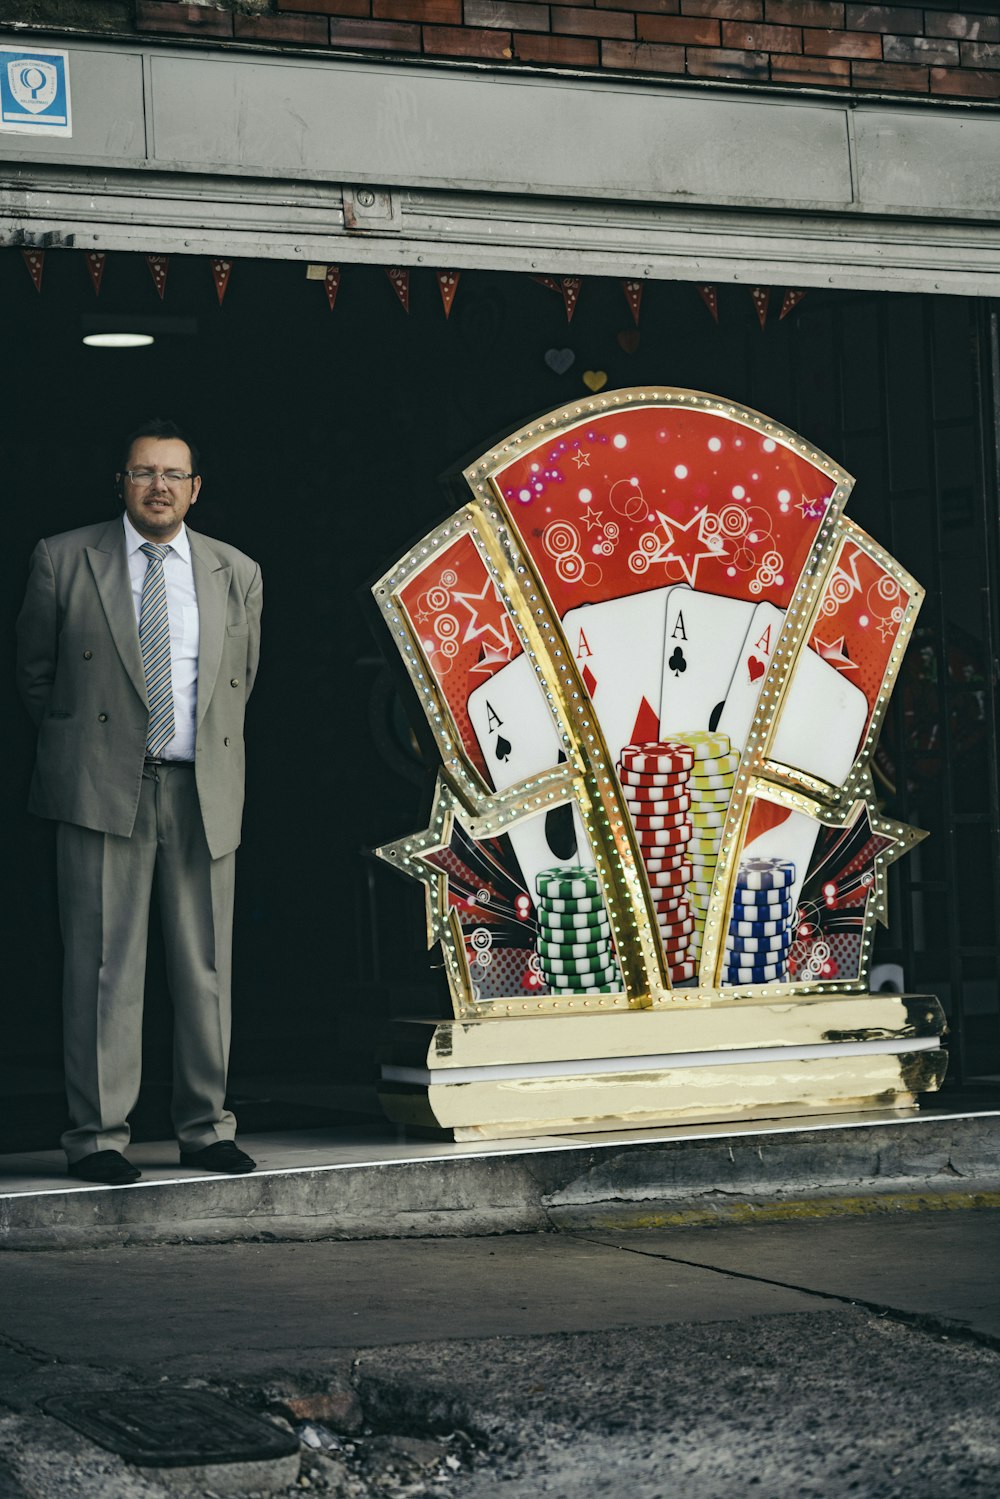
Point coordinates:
pixel 372 208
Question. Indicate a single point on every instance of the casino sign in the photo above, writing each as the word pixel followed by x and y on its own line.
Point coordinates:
pixel 655 657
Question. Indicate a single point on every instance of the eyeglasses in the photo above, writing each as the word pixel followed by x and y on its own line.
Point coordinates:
pixel 145 476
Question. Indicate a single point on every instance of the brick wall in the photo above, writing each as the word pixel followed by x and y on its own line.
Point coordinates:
pixel 901 49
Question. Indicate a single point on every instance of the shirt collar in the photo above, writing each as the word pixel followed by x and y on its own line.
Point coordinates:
pixel 180 543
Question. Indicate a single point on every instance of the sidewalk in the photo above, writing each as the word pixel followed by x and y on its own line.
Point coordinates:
pixel 366 1183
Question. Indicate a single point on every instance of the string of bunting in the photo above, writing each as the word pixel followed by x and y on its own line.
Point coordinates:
pixel 158 265
pixel 220 275
pixel 761 301
pixel 35 262
pixel 568 287
pixel 95 268
pixel 399 280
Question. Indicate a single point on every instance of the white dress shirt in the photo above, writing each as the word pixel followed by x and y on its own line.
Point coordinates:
pixel 182 608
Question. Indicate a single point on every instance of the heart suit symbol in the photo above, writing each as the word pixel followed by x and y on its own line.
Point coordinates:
pixel 559 360
pixel 755 667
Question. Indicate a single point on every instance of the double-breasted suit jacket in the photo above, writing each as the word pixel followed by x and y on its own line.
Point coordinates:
pixel 81 677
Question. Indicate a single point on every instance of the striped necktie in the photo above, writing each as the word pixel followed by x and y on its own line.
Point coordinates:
pixel 154 642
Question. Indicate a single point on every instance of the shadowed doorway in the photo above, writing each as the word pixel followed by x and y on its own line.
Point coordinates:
pixel 323 434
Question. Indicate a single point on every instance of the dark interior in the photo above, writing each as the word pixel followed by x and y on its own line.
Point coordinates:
pixel 324 436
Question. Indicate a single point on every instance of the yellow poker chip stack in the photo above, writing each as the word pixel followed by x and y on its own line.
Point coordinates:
pixel 710 786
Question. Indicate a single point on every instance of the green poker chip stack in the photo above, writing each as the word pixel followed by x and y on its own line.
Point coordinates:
pixel 575 951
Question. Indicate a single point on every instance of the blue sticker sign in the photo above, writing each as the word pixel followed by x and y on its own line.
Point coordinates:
pixel 34 91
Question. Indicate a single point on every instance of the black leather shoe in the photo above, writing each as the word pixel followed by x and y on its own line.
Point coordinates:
pixel 107 1166
pixel 224 1155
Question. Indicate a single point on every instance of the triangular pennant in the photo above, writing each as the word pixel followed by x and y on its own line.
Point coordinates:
pixel 633 296
pixel 400 280
pixel 570 288
pixel 549 281
pixel 95 268
pixel 35 261
pixel 710 297
pixel 332 283
pixel 761 297
pixel 220 275
pixel 447 285
pixel 790 301
pixel 158 270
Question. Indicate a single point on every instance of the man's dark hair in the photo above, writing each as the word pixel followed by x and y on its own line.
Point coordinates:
pixel 159 428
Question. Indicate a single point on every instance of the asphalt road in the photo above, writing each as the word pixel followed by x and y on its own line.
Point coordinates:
pixel 822 1357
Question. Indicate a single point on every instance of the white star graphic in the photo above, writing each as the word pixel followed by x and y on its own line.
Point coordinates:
pixel 846 571
pixel 470 601
pixel 492 656
pixel 581 459
pixel 833 651
pixel 689 556
pixel 811 510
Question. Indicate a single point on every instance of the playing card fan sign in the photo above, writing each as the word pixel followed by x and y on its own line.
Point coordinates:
pixel 655 656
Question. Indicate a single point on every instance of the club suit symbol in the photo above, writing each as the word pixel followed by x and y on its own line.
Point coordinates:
pixel 677 663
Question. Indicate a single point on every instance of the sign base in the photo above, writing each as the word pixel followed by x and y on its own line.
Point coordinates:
pixel 730 1061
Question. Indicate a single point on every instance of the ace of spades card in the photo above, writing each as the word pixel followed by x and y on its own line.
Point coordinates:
pixel 492 704
pixel 518 739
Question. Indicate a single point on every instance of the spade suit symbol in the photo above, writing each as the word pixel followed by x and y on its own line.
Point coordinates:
pixel 503 748
pixel 560 832
pixel 677 662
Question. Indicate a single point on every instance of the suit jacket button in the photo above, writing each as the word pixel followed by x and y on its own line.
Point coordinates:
pixel 88 655
pixel 102 718
pixel 234 682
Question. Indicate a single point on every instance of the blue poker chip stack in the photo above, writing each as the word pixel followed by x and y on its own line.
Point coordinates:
pixel 575 950
pixel 760 923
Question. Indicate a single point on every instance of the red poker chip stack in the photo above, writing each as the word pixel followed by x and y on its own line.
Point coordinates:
pixel 654 783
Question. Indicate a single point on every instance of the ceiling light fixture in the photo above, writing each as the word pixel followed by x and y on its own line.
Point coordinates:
pixel 118 340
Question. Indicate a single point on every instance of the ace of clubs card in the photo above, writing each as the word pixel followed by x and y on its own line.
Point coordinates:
pixel 702 640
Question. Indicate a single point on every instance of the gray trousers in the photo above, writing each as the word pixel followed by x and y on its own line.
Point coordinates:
pixel 105 888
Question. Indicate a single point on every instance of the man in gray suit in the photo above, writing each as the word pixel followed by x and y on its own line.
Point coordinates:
pixel 137 651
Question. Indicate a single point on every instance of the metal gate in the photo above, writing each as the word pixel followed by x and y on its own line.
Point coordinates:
pixel 907 398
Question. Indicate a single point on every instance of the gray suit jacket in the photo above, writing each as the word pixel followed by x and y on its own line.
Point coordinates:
pixel 80 675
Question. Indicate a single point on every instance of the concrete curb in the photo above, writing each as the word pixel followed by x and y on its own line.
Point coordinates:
pixel 918 1163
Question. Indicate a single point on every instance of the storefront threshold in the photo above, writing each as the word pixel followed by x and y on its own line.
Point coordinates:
pixel 366 1183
